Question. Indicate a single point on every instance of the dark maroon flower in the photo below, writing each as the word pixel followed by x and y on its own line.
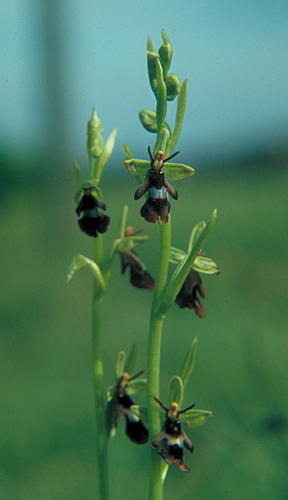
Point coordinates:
pixel 139 276
pixel 157 204
pixel 172 438
pixel 190 292
pixel 92 221
pixel 135 429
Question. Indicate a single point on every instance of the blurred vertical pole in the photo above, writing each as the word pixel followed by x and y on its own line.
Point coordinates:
pixel 54 78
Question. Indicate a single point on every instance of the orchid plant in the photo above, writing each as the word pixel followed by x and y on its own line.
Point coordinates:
pixel 156 424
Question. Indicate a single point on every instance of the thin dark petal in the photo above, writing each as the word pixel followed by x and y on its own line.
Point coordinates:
pixel 171 190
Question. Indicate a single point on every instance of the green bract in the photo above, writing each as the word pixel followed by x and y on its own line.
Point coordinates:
pixel 188 364
pixel 94 138
pixel 201 264
pixel 81 261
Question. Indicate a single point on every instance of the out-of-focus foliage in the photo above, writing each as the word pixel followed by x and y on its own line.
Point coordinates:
pixel 47 425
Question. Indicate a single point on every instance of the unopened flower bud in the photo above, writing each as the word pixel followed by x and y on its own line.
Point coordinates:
pixel 172 83
pixel 165 53
pixel 148 120
pixel 94 137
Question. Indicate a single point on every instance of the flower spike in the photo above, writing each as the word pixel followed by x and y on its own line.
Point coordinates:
pixel 92 221
pixel 172 438
pixel 157 204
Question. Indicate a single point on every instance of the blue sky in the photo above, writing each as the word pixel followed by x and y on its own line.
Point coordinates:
pixel 233 53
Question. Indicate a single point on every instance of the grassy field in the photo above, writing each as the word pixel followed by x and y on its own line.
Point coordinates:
pixel 47 416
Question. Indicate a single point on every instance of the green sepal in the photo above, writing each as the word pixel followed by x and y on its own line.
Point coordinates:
pixel 120 364
pixel 188 364
pixel 104 157
pixel 183 269
pixel 136 386
pixel 177 171
pixel 176 255
pixel 131 360
pixel 165 53
pixel 173 86
pixel 127 152
pixel 195 234
pixel 77 174
pixel 175 391
pixel 195 418
pixel 81 261
pixel 204 265
pixel 137 167
pixel 87 184
pixel 130 242
pixel 173 171
pixel 181 106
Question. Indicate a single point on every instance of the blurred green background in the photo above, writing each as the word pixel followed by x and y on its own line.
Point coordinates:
pixel 47 416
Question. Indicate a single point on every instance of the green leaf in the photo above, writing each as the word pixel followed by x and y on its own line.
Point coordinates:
pixel 195 418
pixel 188 364
pixel 195 235
pixel 131 360
pixel 175 391
pixel 204 265
pixel 130 242
pixel 127 152
pixel 76 174
pixel 120 363
pixel 181 105
pixel 81 261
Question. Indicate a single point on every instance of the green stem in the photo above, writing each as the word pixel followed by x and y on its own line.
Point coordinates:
pixel 154 352
pixel 101 439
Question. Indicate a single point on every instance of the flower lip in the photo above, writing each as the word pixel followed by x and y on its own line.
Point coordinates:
pixel 190 293
pixel 91 221
pixel 139 276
